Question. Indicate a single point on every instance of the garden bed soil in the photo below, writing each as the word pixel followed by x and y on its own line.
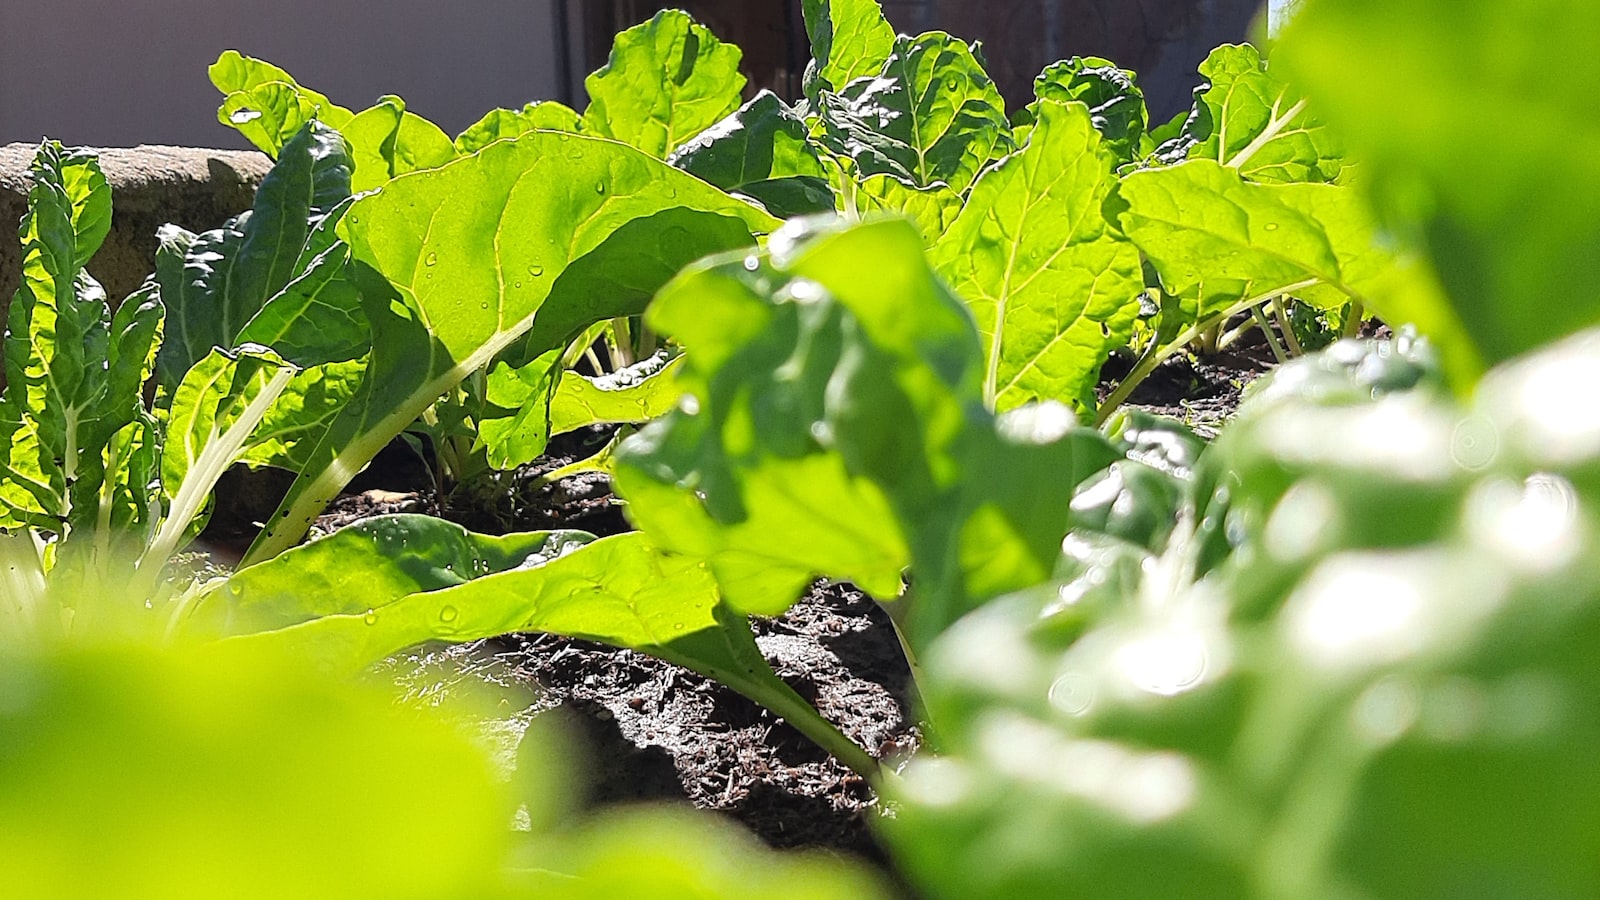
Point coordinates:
pixel 652 731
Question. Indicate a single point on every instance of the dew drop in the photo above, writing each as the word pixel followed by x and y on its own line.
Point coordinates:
pixel 516 284
pixel 447 614
pixel 371 618
pixel 678 626
pixel 1272 226
pixel 751 263
pixel 536 271
pixel 432 260
pixel 600 187
pixel 483 305
pixel 951 83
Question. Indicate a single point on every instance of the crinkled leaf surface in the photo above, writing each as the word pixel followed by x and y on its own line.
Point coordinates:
pixel 762 150
pixel 931 115
pixel 498 124
pixel 1251 120
pixel 834 426
pixel 667 80
pixel 1116 105
pixel 1503 205
pixel 850 39
pixel 1053 287
pixel 457 262
pixel 74 372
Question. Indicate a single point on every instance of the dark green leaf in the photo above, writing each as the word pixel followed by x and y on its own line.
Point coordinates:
pixel 932 115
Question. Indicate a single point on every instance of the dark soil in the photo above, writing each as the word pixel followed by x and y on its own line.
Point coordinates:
pixel 651 730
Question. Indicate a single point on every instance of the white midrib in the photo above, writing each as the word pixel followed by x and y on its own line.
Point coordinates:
pixel 1274 127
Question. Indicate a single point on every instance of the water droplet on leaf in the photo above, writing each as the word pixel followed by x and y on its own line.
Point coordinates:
pixel 536 271
pixel 371 618
pixel 432 260
pixel 447 614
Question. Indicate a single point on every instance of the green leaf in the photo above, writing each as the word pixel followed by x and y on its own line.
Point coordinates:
pixel 386 141
pixel 74 372
pixel 934 209
pixel 1116 105
pixel 265 104
pixel 834 426
pixel 932 115
pixel 1219 240
pixel 1053 287
pixel 210 420
pixel 763 151
pixel 620 590
pixel 1250 120
pixel 1503 211
pixel 499 124
pixel 850 39
pixel 251 281
pixel 455 264
pixel 301 415
pixel 666 81
pixel 634 394
pixel 368 566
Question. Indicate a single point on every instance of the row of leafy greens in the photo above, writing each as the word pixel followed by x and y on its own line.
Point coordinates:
pixel 876 400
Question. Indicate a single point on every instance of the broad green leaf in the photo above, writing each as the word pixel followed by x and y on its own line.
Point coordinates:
pixel 763 151
pixel 833 425
pixel 250 281
pixel 1250 120
pixel 850 39
pixel 455 263
pixel 74 372
pixel 1116 105
pixel 620 590
pixel 369 566
pixel 1218 240
pixel 1053 287
pixel 265 104
pixel 499 124
pixel 667 80
pixel 1501 203
pixel 637 393
pixel 932 115
pixel 387 141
